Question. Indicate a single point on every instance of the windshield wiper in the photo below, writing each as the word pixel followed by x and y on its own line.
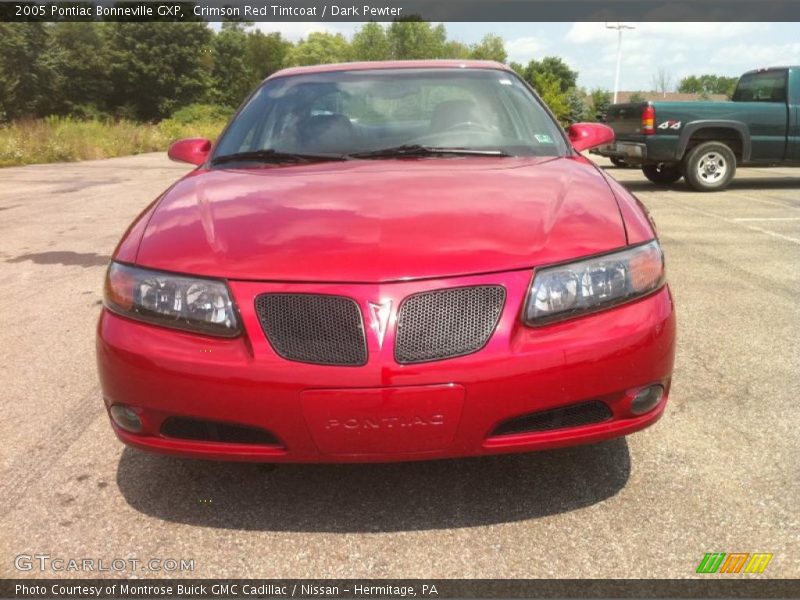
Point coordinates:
pixel 271 155
pixel 420 150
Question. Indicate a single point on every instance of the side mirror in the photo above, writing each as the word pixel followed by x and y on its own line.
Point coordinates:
pixel 589 135
pixel 191 150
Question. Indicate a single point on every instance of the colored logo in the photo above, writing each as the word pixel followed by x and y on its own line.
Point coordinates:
pixel 736 562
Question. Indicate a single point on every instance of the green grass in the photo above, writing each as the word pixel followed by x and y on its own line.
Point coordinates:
pixel 65 139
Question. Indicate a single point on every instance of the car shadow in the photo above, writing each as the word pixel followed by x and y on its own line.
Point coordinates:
pixel 347 498
pixel 738 184
pixel 65 258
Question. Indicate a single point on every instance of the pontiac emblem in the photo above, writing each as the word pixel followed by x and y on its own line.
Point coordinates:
pixel 379 319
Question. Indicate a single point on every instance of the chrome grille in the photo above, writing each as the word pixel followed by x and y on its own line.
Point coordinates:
pixel 447 323
pixel 313 328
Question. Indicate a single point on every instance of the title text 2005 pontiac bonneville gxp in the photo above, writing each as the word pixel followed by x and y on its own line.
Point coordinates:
pixel 387 261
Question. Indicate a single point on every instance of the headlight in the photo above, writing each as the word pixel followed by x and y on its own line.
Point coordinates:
pixel 198 305
pixel 589 285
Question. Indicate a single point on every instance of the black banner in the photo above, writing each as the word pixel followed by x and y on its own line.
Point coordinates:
pixel 706 587
pixel 390 10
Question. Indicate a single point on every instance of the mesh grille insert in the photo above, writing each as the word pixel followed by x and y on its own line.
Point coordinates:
pixel 447 323
pixel 313 328
pixel 575 415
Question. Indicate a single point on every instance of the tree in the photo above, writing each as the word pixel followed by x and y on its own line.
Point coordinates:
pixel 414 39
pixel 601 100
pixel 230 76
pixel 662 81
pixel 636 97
pixel 129 70
pixel 707 84
pixel 242 57
pixel 455 49
pixel 725 85
pixel 266 54
pixel 81 59
pixel 28 70
pixel 576 101
pixel 491 47
pixel 158 67
pixel 552 78
pixel 518 68
pixel 555 66
pixel 371 43
pixel 548 86
pixel 320 48
pixel 690 85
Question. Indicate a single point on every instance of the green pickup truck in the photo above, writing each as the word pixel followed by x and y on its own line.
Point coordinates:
pixel 705 141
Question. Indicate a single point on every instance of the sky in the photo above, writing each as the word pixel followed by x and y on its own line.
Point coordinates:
pixel 680 49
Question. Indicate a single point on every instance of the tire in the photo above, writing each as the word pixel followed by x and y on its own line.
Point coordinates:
pixel 618 162
pixel 662 174
pixel 709 167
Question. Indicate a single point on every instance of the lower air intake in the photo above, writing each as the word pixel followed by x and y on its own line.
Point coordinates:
pixel 586 413
pixel 183 428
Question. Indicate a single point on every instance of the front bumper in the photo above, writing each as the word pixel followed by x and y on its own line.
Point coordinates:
pixel 384 411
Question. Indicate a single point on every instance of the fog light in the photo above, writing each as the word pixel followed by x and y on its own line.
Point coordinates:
pixel 647 399
pixel 126 418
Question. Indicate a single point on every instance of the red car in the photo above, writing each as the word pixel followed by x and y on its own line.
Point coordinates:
pixel 384 262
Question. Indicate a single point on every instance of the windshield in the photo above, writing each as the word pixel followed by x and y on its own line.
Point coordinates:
pixel 360 112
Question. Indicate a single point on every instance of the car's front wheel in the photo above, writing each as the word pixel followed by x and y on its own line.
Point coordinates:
pixel 709 167
pixel 662 174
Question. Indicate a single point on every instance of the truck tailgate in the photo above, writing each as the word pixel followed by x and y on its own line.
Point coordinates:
pixel 625 118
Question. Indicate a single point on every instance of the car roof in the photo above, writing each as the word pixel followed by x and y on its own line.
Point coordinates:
pixel 392 64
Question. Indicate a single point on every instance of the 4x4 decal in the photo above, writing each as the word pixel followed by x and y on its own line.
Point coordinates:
pixel 670 125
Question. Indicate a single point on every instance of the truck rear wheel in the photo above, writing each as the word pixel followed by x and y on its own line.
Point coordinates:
pixel 709 167
pixel 662 174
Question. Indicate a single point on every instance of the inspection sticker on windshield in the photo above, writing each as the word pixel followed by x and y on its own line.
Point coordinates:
pixel 543 138
pixel 505 81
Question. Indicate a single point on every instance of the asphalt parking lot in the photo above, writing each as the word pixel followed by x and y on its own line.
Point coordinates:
pixel 720 472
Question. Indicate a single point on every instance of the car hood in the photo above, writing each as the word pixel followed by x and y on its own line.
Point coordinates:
pixel 379 221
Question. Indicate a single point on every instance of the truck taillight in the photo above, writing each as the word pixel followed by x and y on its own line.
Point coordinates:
pixel 649 120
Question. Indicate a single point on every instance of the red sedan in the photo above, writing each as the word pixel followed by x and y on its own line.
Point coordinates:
pixel 384 262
